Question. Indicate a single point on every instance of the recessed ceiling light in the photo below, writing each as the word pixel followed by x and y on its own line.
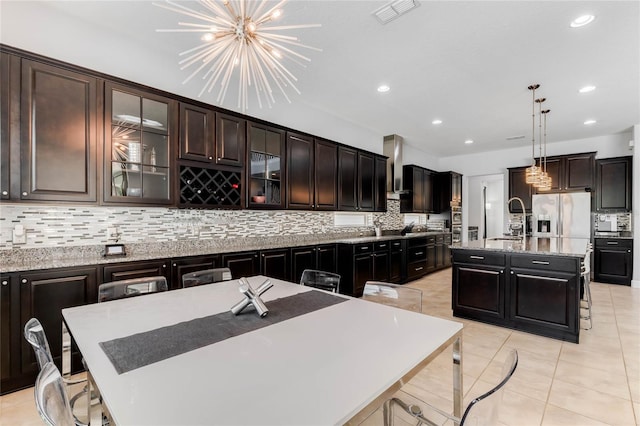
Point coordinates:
pixel 587 89
pixel 384 88
pixel 582 21
pixel 590 122
pixel 468 141
pixel 436 121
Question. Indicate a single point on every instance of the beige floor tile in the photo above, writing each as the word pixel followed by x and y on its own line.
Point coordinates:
pixel 591 403
pixel 524 381
pixel 556 416
pixel 593 378
pixel 611 362
pixel 636 409
pixel 543 346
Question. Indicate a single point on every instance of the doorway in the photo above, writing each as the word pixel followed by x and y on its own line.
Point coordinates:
pixel 486 205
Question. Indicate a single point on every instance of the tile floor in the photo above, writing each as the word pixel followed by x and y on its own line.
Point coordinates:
pixel 594 383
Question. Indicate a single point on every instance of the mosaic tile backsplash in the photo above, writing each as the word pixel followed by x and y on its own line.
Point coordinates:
pixel 54 226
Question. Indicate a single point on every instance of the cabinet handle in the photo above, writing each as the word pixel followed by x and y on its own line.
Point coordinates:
pixel 540 262
pixel 5 192
pixel 383 245
pixel 164 266
pixel 502 271
pixel 420 268
pixel 364 248
pixel 5 282
pixel 628 251
pixel 418 253
pixel 24 194
pixel 211 158
pixel 511 272
pixel 219 158
pixel 175 264
pixel 612 243
pixel 24 281
pixel 477 257
pixel 262 254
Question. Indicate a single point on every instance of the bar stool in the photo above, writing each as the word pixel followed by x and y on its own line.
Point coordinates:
pixel 207 276
pixel 134 287
pixel 585 275
pixel 321 279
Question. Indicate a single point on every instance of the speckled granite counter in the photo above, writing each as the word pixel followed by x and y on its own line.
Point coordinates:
pixel 59 257
pixel 575 247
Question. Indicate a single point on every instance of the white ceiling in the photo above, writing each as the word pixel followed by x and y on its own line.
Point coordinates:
pixel 466 63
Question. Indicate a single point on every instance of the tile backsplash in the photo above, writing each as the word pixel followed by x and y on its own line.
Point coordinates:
pixel 56 226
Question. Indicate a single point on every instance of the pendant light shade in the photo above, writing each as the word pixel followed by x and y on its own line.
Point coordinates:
pixel 537 175
pixel 532 174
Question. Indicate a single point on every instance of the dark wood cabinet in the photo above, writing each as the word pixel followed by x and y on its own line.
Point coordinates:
pixel 179 267
pixel 244 264
pixel 327 257
pixel 571 173
pixel 614 184
pixel 362 272
pixel 5 133
pixel 140 133
pixel 321 257
pixel 397 261
pixel 447 188
pixel 420 182
pixel 325 168
pixel 131 270
pixel 43 295
pixel 613 260
pixel 416 258
pixel 347 179
pixel 518 187
pixel 230 139
pixel 275 263
pixel 381 260
pixel 59 112
pixel 265 167
pixel 10 332
pixel 366 181
pixel 197 133
pixel 300 172
pixel 479 291
pixel 356 267
pixel 380 204
pixel 447 250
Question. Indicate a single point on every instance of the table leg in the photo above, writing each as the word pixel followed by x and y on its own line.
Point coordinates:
pixel 457 377
pixel 66 352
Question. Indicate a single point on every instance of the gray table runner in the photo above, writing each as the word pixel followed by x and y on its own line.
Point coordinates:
pixel 138 350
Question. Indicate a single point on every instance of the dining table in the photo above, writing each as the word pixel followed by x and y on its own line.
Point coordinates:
pixel 182 358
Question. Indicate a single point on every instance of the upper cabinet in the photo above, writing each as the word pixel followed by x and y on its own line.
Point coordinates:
pixel 366 181
pixel 518 187
pixel 312 173
pixel 571 173
pixel 58 134
pixel 447 189
pixel 613 184
pixel 265 171
pixel 420 182
pixel 380 202
pixel 5 60
pixel 230 139
pixel 356 180
pixel 139 131
pixel 197 133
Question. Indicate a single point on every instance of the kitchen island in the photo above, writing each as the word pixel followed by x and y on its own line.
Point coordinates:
pixel 532 286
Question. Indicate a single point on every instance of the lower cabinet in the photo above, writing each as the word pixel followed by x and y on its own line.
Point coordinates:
pixel 360 263
pixel 397 261
pixel 275 263
pixel 432 261
pixel 613 260
pixel 416 258
pixel 179 267
pixel 244 264
pixel 131 270
pixel 537 294
pixel 321 257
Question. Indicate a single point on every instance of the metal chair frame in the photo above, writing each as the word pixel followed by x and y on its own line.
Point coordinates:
pixel 115 290
pixel 310 277
pixel 207 276
pixel 392 294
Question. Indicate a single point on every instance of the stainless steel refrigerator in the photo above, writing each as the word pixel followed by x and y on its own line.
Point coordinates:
pixel 562 215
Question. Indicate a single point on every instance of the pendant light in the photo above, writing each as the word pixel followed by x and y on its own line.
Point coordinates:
pixel 542 174
pixel 545 183
pixel 532 174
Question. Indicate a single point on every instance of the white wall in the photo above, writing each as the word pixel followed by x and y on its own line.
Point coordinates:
pixel 635 282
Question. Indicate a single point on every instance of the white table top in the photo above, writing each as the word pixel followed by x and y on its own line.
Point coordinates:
pixel 319 368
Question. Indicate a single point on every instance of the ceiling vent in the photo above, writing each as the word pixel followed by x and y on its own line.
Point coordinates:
pixel 392 10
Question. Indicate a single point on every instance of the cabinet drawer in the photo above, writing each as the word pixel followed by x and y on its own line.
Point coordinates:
pixel 481 257
pixel 415 269
pixel 395 245
pixel 415 242
pixel 439 239
pixel 431 240
pixel 614 243
pixel 381 245
pixel 415 254
pixel 447 239
pixel 363 248
pixel 552 263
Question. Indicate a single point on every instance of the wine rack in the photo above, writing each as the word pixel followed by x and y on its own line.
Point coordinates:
pixel 201 187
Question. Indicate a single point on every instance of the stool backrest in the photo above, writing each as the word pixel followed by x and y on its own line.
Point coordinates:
pixel 51 397
pixel 320 279
pixel 399 296
pixel 206 276
pixel 128 288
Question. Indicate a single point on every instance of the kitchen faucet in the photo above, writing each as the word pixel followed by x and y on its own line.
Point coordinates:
pixel 524 216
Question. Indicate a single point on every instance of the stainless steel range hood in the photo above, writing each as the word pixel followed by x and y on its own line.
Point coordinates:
pixel 392 148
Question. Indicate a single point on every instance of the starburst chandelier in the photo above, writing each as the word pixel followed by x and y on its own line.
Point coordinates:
pixel 236 38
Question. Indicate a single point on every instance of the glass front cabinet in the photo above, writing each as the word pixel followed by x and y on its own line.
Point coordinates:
pixel 139 131
pixel 266 166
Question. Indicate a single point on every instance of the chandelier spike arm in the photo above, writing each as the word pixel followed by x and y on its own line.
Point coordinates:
pixel 278 76
pixel 260 72
pixel 178 8
pixel 273 65
pixel 290 27
pixel 289 51
pixel 269 90
pixel 275 39
pixel 205 56
pixel 215 71
pixel 268 15
pixel 217 9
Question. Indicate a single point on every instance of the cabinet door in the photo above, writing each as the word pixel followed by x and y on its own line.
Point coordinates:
pixel 544 299
pixel 58 134
pixel 518 187
pixel 197 133
pixel 347 179
pixel 362 272
pixel 139 130
pixel 579 172
pixel 179 267
pixel 381 266
pixel 456 187
pixel 326 175
pixel 275 264
pixel 10 332
pixel 613 184
pixel 555 169
pixel 230 140
pixel 478 290
pixel 366 182
pixel 265 174
pixel 131 270
pixel 245 264
pixel 43 295
pixel 300 169
pixel 327 256
pixel 5 102
pixel 397 265
pixel 428 191
pixel 613 265
pixel 431 257
pixel 302 258
pixel 381 184
pixel 418 191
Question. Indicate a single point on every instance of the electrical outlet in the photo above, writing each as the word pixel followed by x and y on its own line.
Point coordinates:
pixel 19 235
pixel 112 233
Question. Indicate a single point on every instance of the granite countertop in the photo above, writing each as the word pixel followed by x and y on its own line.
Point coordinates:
pixel 574 247
pixel 60 257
